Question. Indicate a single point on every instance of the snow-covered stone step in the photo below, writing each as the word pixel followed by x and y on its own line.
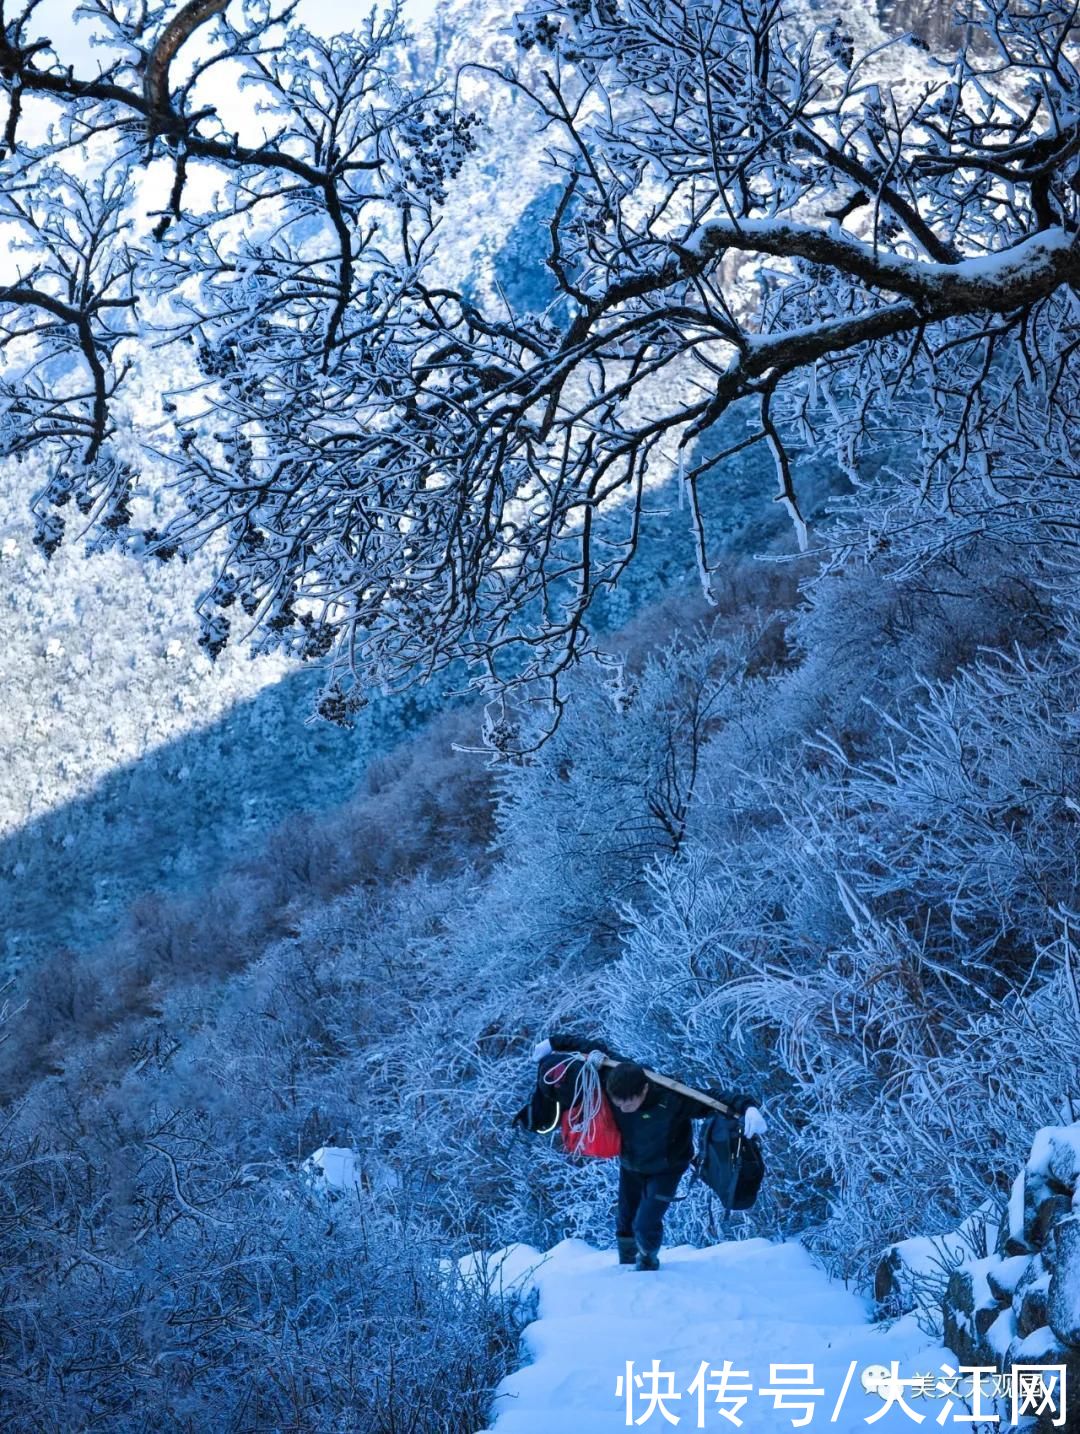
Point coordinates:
pixel 767 1308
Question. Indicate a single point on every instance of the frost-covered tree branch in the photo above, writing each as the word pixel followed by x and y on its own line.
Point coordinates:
pixel 247 273
pixel 753 223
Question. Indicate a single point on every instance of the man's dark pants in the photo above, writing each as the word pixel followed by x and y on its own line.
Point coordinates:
pixel 643 1203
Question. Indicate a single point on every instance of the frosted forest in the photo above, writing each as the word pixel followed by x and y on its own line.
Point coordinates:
pixel 520 520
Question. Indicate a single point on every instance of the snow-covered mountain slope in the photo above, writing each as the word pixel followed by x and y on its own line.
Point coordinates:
pixel 766 1307
pixel 131 762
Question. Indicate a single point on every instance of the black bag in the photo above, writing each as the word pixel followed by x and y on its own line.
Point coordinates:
pixel 556 1077
pixel 729 1162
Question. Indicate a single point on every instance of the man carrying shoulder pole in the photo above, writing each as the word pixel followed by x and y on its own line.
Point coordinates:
pixel 653 1114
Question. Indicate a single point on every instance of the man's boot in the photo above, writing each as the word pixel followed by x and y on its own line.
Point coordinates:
pixel 627 1249
pixel 646 1261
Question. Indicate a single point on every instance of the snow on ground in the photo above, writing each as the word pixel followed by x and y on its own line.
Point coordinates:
pixel 768 1308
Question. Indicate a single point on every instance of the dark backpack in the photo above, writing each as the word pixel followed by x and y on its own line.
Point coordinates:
pixel 729 1162
pixel 556 1075
pixel 555 1101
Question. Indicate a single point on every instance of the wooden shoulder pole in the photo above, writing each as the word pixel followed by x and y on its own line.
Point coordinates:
pixel 654 1078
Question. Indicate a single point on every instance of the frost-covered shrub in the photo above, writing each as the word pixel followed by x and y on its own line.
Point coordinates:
pixel 232 1297
pixel 163 1257
pixel 864 893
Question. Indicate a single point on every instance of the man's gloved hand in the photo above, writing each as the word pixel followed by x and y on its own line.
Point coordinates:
pixel 754 1123
pixel 541 1049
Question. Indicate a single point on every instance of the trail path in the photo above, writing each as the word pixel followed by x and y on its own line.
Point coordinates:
pixel 752 1302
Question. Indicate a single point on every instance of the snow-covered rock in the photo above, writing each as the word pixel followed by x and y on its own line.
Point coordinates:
pixel 1021 1305
pixel 909 1267
pixel 511 1270
pixel 344 1171
pixel 1063 1294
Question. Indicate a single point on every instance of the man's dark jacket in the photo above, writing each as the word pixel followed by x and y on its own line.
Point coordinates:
pixel 658 1135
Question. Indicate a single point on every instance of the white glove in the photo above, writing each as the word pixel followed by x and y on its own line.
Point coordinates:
pixel 754 1123
pixel 542 1050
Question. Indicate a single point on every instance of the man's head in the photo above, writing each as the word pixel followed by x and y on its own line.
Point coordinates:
pixel 627 1086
